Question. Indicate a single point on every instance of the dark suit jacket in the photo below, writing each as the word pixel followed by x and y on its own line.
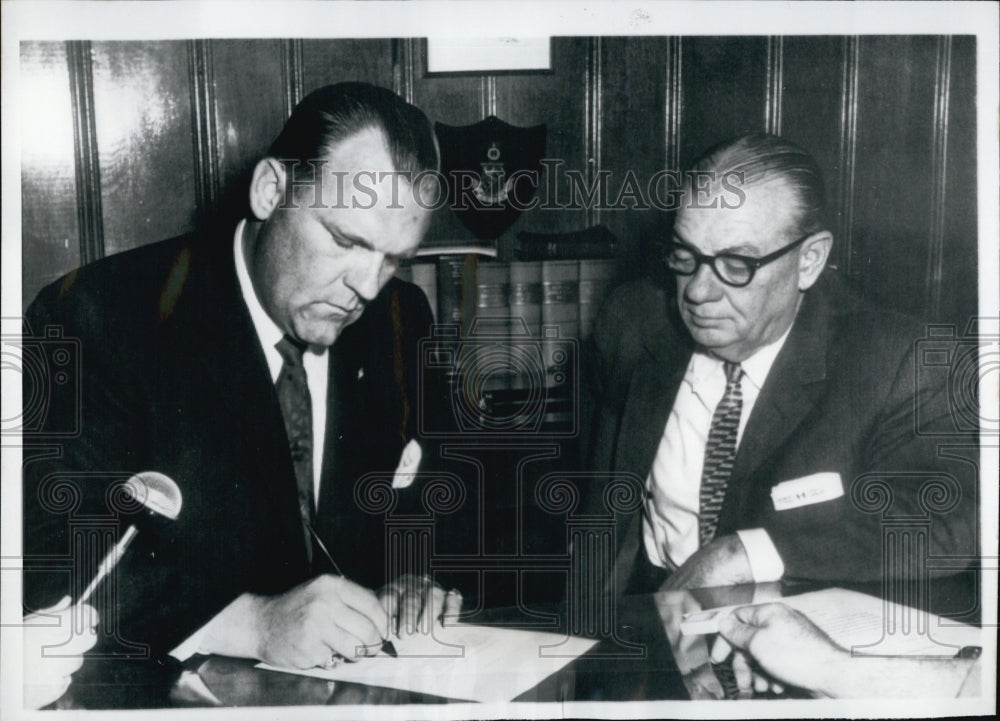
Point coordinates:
pixel 172 378
pixel 840 398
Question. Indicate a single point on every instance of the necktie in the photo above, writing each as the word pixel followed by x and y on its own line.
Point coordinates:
pixel 720 450
pixel 296 408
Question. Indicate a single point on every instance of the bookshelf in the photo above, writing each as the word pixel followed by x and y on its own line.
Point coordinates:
pixel 510 332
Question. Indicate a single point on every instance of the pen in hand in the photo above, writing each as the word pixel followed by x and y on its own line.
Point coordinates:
pixel 387 646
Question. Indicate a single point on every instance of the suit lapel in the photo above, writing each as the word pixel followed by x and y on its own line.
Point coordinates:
pixel 231 356
pixel 793 386
pixel 651 395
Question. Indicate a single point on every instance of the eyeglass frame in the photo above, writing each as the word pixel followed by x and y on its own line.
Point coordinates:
pixel 754 264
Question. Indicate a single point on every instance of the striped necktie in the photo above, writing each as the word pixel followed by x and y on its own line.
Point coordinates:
pixel 720 450
pixel 296 409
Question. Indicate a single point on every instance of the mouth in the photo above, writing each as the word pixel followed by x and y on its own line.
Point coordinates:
pixel 702 318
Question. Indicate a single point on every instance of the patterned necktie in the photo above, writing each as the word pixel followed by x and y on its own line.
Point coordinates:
pixel 720 450
pixel 296 408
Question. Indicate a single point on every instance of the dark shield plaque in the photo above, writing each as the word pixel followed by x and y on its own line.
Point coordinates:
pixel 492 170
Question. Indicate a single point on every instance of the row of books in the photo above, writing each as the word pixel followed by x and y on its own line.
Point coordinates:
pixel 462 288
pixel 510 333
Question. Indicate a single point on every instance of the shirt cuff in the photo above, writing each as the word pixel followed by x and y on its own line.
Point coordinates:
pixel 189 647
pixel 765 563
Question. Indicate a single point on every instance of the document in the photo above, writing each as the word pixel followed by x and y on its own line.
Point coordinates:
pixel 460 661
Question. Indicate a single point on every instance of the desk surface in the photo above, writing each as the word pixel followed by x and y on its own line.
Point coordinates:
pixel 635 659
pixel 640 656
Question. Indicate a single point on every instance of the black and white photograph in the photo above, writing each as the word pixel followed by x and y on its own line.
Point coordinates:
pixel 460 360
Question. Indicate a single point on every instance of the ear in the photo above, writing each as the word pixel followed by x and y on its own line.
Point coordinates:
pixel 812 258
pixel 267 188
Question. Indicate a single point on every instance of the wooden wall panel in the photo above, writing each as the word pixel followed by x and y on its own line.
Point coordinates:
pixel 249 110
pixel 559 100
pixel 724 85
pixel 452 100
pixel 811 107
pixel 958 283
pixel 333 61
pixel 142 101
pixel 139 137
pixel 634 128
pixel 894 175
pixel 50 240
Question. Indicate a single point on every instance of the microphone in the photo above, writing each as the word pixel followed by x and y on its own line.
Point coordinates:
pixel 161 496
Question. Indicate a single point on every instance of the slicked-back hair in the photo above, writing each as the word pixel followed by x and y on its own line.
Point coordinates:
pixel 763 158
pixel 332 113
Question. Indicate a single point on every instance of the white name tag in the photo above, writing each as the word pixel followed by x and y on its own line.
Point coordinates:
pixel 409 462
pixel 817 488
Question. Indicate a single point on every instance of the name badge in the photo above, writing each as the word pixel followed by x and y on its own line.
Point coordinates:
pixel 409 462
pixel 817 488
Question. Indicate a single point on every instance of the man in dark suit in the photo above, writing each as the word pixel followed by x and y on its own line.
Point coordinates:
pixel 269 372
pixel 764 412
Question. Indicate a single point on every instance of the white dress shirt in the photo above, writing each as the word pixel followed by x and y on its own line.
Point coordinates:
pixel 670 515
pixel 315 360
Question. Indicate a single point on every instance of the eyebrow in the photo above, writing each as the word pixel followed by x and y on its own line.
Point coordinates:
pixel 358 240
pixel 741 249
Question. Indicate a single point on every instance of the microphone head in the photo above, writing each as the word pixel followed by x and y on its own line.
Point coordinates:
pixel 157 492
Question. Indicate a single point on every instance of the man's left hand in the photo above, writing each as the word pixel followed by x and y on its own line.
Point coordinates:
pixel 723 562
pixel 414 603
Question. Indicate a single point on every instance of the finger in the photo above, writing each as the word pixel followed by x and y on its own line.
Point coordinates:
pixel 720 650
pixel 63 604
pixel 736 630
pixel 348 632
pixel 88 615
pixel 434 600
pixel 760 683
pixel 452 605
pixel 742 672
pixel 364 602
pixel 390 602
pixel 410 605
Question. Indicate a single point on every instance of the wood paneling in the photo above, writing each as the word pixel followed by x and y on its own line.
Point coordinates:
pixel 249 109
pixel 336 61
pixel 811 113
pixel 137 137
pixel 724 85
pixel 636 133
pixel 142 102
pixel 50 239
pixel 560 101
pixel 959 286
pixel 894 168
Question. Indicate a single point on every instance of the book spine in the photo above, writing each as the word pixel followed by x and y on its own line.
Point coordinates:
pixel 565 249
pixel 490 339
pixel 425 277
pixel 456 290
pixel 596 279
pixel 526 323
pixel 560 319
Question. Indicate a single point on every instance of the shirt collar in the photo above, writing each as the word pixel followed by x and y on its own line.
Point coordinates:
pixel 268 331
pixel 703 367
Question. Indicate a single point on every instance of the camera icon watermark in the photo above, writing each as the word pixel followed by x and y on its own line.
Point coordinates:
pixel 47 366
pixel 502 381
pixel 959 363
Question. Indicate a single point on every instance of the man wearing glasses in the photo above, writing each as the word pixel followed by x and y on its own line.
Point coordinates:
pixel 759 399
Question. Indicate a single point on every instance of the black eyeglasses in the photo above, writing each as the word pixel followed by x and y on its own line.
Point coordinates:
pixel 731 268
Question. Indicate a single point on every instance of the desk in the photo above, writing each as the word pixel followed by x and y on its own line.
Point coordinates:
pixel 645 659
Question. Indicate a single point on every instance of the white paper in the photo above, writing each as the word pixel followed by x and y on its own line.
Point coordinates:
pixel 473 663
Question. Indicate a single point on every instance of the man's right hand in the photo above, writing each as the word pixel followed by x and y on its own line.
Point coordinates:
pixel 303 627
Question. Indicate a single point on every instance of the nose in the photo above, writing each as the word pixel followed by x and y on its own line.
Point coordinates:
pixel 702 287
pixel 365 277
